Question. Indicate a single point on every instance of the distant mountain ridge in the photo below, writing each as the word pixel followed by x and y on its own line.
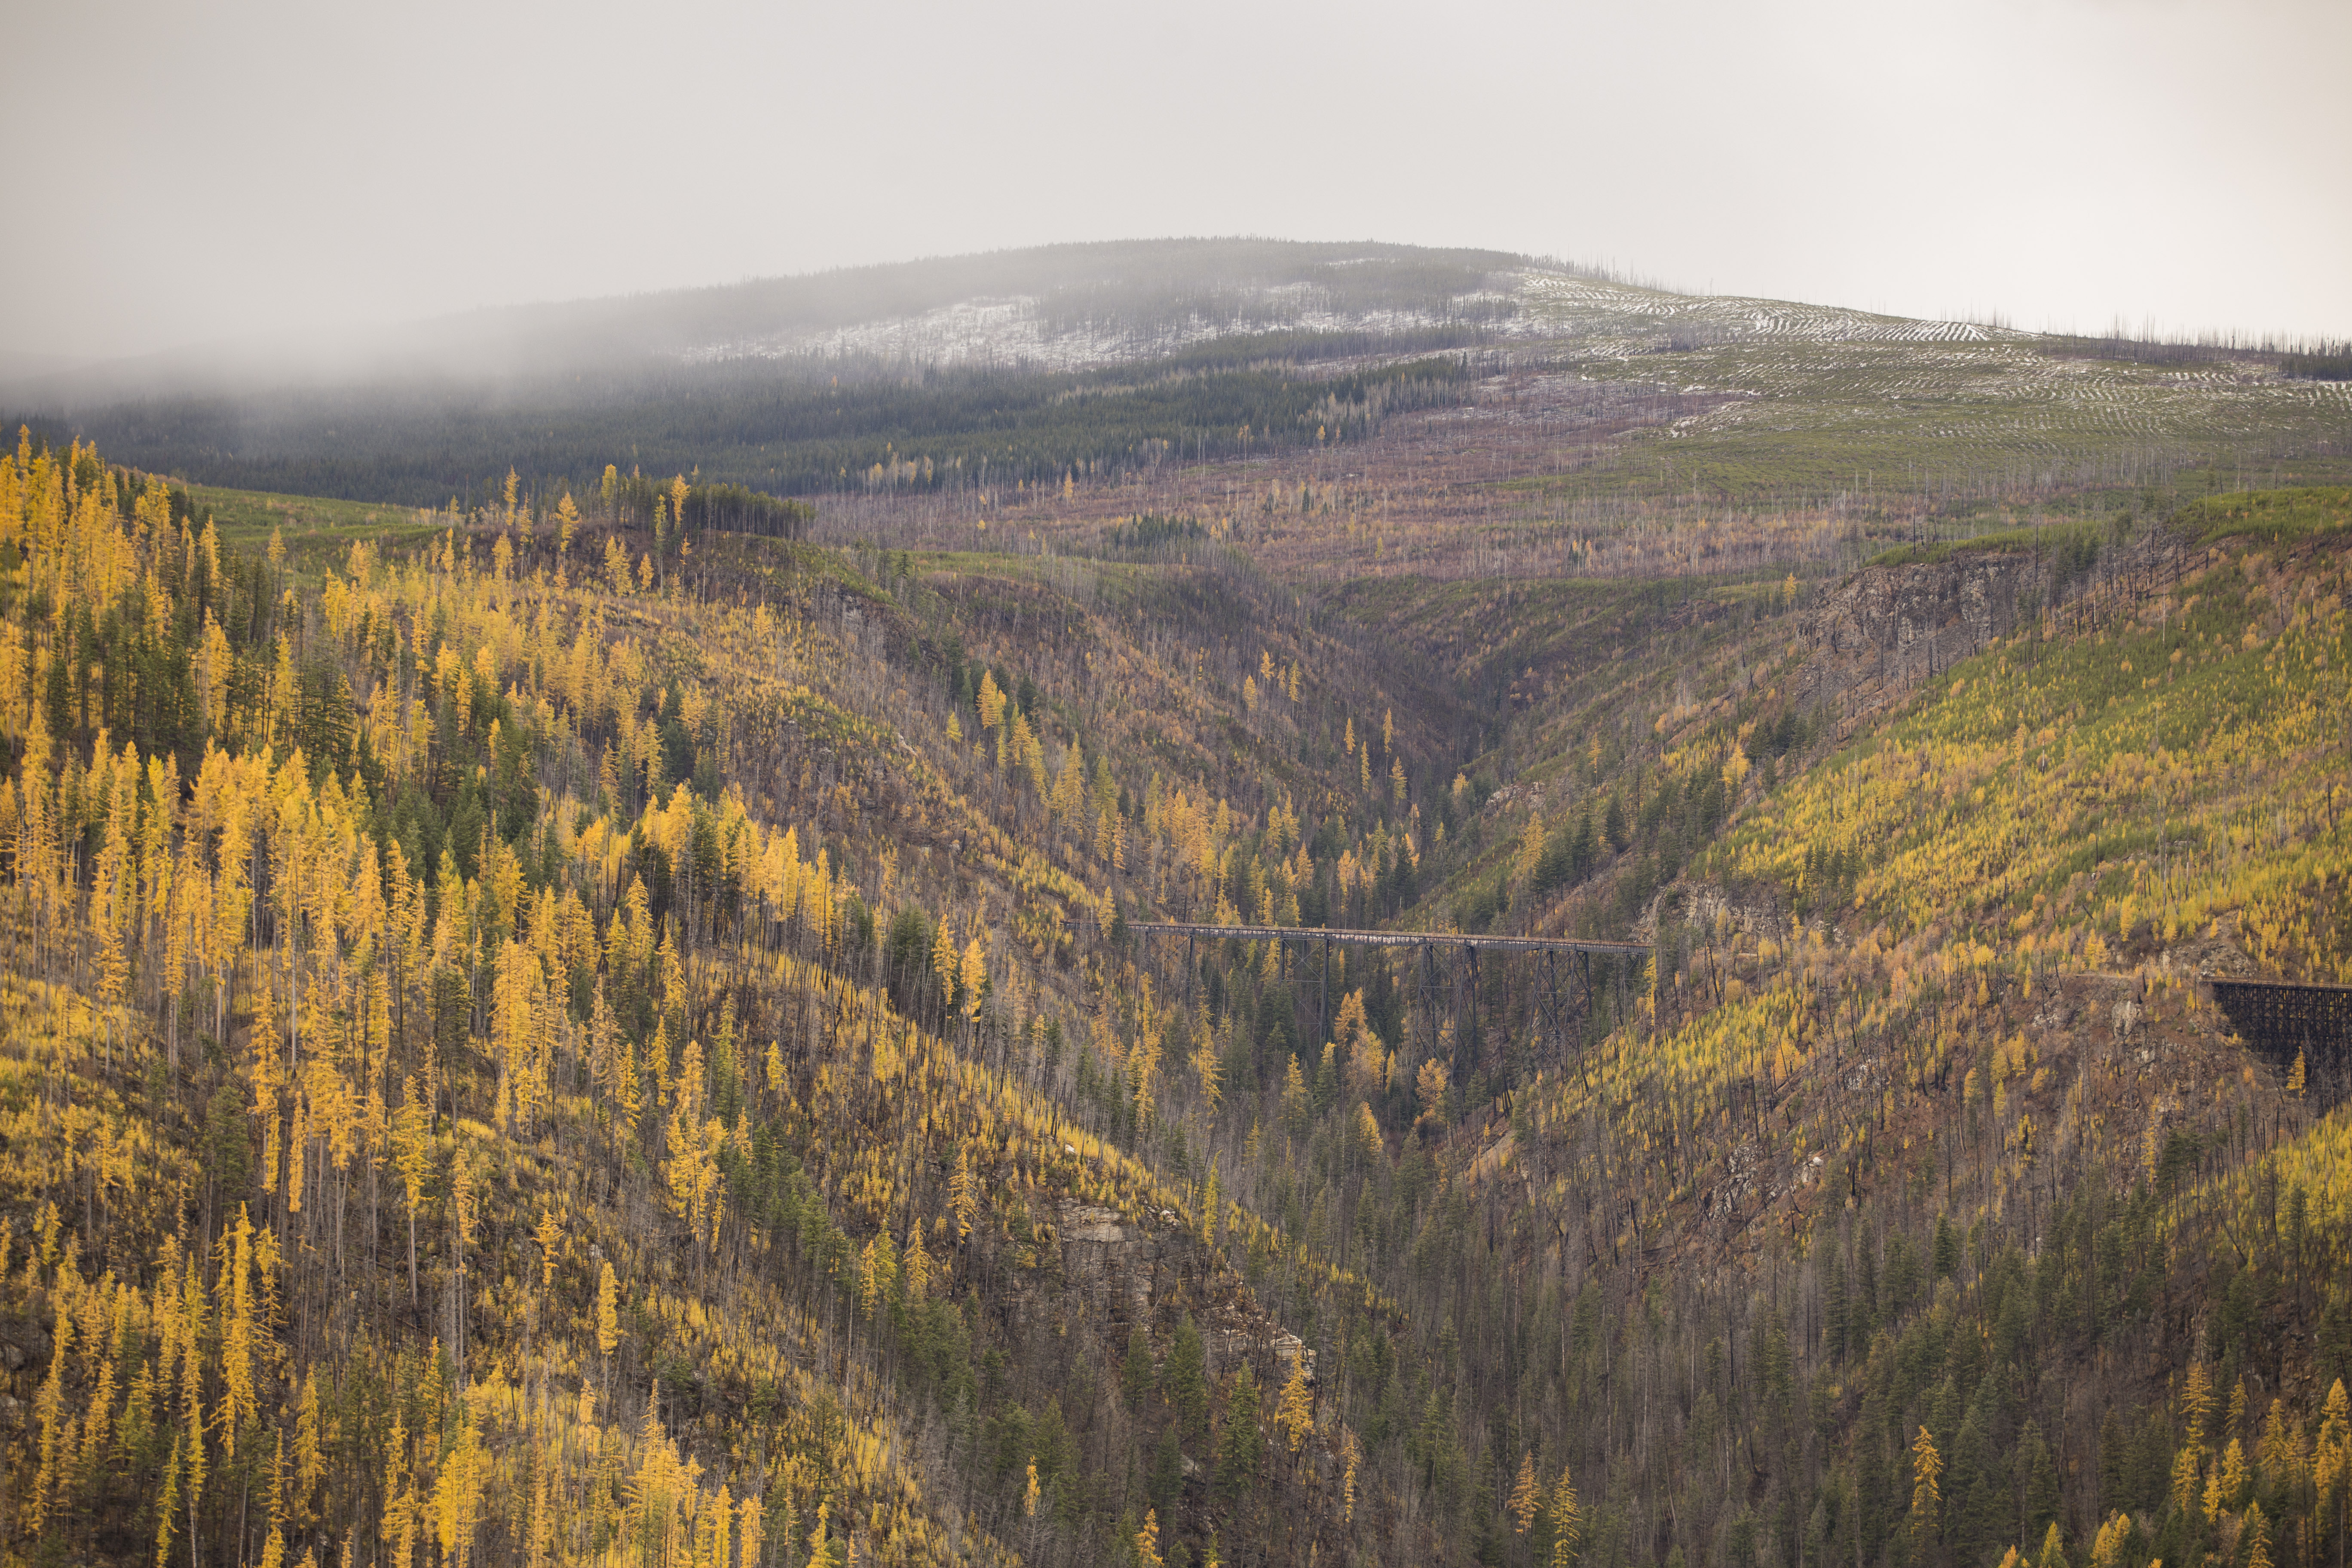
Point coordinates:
pixel 956 371
pixel 1144 288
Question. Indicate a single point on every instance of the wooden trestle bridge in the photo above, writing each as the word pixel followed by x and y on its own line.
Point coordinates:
pixel 2284 1020
pixel 1445 970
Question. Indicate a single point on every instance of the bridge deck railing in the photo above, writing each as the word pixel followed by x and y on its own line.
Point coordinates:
pixel 1312 935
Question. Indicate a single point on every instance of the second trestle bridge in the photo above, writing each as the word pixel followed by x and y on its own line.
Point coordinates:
pixel 1445 970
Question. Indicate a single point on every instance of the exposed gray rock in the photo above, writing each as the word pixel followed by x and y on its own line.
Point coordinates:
pixel 1124 1273
pixel 22 1342
pixel 1887 629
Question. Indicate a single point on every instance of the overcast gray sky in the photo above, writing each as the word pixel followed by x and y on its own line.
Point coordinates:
pixel 188 172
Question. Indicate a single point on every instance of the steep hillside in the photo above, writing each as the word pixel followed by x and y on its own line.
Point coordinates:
pixel 1922 1144
pixel 589 1038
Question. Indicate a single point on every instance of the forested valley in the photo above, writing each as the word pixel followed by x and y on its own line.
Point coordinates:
pixel 607 1023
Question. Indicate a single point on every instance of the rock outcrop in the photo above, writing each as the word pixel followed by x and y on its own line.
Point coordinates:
pixel 1887 629
pixel 1120 1273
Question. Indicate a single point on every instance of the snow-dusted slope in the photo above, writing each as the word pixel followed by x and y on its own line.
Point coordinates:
pixel 1601 318
pixel 1023 330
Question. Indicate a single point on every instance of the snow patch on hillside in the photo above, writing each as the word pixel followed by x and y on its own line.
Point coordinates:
pixel 1603 319
pixel 1637 318
pixel 1015 331
pixel 1039 333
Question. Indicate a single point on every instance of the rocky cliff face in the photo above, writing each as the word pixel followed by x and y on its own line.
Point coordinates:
pixel 1121 1272
pixel 1886 628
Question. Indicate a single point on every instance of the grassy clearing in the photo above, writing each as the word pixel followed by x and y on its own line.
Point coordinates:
pixel 1839 403
pixel 1873 416
pixel 2271 517
pixel 2065 539
pixel 2274 517
pixel 315 530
